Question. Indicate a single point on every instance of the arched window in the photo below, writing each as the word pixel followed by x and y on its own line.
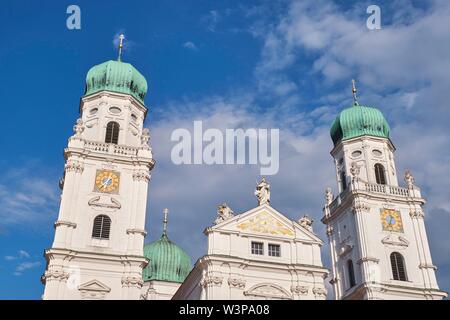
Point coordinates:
pixel 112 132
pixel 379 174
pixel 351 273
pixel 101 228
pixel 343 180
pixel 398 266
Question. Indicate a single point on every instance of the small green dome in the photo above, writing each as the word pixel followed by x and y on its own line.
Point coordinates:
pixel 116 76
pixel 168 262
pixel 358 121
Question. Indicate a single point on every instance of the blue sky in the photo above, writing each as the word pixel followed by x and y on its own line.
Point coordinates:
pixel 268 64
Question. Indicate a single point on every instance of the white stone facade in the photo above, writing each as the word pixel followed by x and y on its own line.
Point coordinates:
pixel 355 227
pixel 230 270
pixel 80 266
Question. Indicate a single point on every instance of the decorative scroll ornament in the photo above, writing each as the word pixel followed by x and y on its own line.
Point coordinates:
pixel 416 213
pixel 346 248
pixel 141 175
pixel 395 241
pixel 75 166
pixel 132 282
pixel 303 290
pixel 265 223
pixel 263 192
pixel 55 275
pixel 409 179
pixel 320 291
pixel 236 283
pixel 210 281
pixel 78 128
pixel 360 206
pixel 224 212
pixel 306 222
pixel 114 204
pixel 145 138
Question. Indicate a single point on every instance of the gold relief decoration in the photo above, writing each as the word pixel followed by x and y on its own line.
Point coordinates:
pixel 265 223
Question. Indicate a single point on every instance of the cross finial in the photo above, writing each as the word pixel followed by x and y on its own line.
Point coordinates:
pixel 121 38
pixel 355 101
pixel 166 212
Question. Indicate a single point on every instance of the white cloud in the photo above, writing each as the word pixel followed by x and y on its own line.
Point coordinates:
pixel 22 267
pixel 190 45
pixel 211 20
pixel 25 197
pixel 21 254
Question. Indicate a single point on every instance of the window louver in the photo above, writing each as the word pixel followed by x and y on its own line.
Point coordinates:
pixel 101 228
pixel 398 266
pixel 112 132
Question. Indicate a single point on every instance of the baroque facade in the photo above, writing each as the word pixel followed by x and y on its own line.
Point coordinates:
pixel 376 231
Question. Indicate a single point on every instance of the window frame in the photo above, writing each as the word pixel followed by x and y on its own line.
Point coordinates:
pixel 112 132
pixel 398 266
pixel 380 174
pixel 254 250
pixel 269 251
pixel 351 274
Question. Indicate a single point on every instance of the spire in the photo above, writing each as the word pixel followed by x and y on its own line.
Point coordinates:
pixel 166 212
pixel 355 101
pixel 121 38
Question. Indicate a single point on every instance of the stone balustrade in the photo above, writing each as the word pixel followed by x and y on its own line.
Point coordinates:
pixel 373 188
pixel 110 148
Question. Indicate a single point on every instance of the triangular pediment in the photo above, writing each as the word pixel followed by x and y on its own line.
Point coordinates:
pixel 265 220
pixel 94 285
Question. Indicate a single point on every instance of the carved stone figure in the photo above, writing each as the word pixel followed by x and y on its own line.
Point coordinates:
pixel 145 138
pixel 263 192
pixel 306 222
pixel 224 212
pixel 328 195
pixel 354 170
pixel 78 128
pixel 409 179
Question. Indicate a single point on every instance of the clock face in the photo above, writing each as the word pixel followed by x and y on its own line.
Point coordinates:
pixel 107 181
pixel 391 220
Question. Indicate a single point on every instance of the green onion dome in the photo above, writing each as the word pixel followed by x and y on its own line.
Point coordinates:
pixel 118 77
pixel 359 120
pixel 168 262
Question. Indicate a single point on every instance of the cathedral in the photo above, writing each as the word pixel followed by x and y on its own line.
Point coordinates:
pixel 375 228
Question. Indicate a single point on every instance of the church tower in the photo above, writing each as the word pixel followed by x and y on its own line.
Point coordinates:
pixel 376 230
pixel 97 252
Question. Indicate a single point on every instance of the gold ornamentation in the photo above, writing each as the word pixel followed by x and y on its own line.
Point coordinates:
pixel 391 220
pixel 107 181
pixel 265 223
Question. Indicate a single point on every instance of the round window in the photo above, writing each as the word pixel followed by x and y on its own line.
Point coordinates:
pixel 115 110
pixel 93 111
pixel 356 154
pixel 377 153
